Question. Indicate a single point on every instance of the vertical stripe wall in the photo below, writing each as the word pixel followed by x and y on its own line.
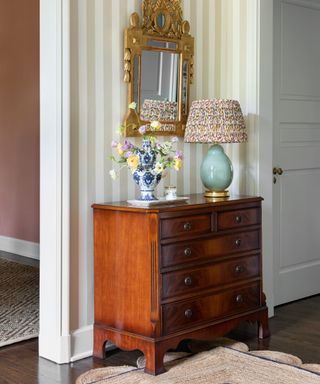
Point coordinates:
pixel 226 52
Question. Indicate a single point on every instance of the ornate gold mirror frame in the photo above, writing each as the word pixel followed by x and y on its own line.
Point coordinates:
pixel 158 51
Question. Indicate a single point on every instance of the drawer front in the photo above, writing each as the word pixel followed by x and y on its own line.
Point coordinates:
pixel 182 315
pixel 184 252
pixel 189 281
pixel 238 218
pixel 187 225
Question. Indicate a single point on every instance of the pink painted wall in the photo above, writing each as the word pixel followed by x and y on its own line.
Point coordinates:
pixel 19 119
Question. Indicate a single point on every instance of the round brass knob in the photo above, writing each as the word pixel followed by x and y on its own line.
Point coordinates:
pixel 238 219
pixel 239 299
pixel 277 171
pixel 187 252
pixel 188 280
pixel 187 226
pixel 238 242
pixel 188 313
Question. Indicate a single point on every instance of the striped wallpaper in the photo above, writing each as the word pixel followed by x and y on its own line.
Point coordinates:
pixel 226 65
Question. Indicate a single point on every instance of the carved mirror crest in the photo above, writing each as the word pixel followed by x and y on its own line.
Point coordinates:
pixel 158 67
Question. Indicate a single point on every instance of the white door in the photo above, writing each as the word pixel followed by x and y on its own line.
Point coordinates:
pixel 297 149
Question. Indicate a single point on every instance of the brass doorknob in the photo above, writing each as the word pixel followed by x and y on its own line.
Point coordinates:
pixel 277 171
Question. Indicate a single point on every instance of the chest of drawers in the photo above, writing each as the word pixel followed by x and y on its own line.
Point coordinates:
pixel 181 271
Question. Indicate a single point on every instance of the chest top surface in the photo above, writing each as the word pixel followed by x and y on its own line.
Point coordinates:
pixel 195 201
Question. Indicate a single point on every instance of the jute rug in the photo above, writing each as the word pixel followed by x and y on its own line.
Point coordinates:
pixel 226 364
pixel 19 302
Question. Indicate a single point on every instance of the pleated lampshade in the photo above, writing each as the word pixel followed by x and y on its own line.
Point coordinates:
pixel 216 121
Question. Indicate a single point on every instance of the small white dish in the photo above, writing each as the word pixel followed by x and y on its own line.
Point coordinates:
pixel 160 201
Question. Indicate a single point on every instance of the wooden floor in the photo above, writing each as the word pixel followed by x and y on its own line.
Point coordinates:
pixel 295 329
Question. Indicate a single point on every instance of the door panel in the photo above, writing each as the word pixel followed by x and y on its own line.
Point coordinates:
pixel 299 220
pixel 297 150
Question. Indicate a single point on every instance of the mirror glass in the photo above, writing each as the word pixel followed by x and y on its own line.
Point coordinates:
pixel 159 88
pixel 161 20
pixel 162 44
pixel 184 86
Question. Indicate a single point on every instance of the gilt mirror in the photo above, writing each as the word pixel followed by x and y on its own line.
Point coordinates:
pixel 158 66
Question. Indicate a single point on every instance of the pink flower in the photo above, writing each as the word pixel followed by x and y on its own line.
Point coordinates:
pixel 127 145
pixel 142 129
pixel 128 154
pixel 179 155
pixel 114 144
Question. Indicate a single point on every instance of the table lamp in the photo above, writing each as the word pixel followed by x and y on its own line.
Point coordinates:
pixel 216 121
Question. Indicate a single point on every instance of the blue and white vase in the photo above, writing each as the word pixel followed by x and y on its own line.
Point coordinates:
pixel 144 175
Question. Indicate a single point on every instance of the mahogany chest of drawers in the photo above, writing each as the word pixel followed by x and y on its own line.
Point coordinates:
pixel 181 271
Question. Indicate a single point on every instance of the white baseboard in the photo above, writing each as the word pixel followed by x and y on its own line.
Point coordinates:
pixel 56 350
pixel 82 343
pixel 20 247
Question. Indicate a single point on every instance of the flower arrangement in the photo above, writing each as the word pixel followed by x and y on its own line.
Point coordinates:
pixel 148 162
pixel 129 155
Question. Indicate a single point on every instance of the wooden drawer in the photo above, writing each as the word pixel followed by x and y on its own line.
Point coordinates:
pixel 238 218
pixel 187 225
pixel 190 251
pixel 188 281
pixel 189 313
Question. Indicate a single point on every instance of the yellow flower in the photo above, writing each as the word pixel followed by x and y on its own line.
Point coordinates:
pixel 119 149
pixel 177 164
pixel 153 140
pixel 133 105
pixel 155 125
pixel 120 130
pixel 133 162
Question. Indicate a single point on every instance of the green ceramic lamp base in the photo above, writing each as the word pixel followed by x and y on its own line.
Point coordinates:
pixel 216 172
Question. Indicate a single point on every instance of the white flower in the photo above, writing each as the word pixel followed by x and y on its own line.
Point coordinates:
pixel 113 174
pixel 155 125
pixel 133 105
pixel 166 147
pixel 158 168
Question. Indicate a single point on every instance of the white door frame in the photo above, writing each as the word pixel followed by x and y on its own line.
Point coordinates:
pixel 54 338
pixel 266 146
pixel 265 129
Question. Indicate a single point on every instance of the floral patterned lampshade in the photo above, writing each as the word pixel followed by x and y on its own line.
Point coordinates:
pixel 215 121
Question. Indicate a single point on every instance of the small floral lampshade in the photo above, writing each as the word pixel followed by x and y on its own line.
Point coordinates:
pixel 158 110
pixel 215 121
